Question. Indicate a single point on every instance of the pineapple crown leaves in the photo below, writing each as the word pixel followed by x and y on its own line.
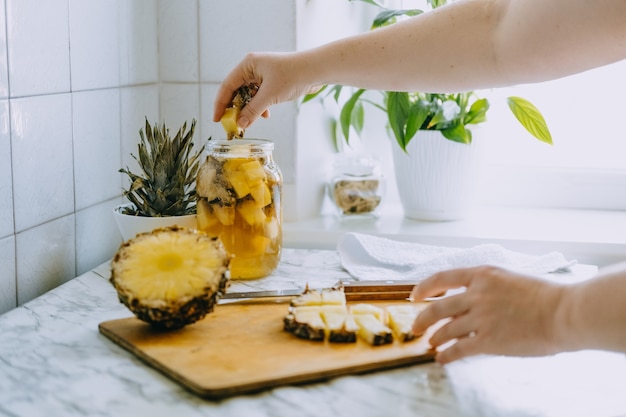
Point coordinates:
pixel 169 166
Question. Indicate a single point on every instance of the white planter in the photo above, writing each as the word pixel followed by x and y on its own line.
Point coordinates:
pixel 437 178
pixel 130 226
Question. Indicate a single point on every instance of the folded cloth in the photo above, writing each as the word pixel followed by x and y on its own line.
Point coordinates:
pixel 369 257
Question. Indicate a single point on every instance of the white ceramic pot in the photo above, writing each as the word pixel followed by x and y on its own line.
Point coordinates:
pixel 436 179
pixel 130 226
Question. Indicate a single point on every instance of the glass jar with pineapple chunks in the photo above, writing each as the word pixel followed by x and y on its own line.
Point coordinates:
pixel 239 200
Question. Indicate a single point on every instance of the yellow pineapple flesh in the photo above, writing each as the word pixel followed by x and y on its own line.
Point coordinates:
pixel 229 119
pixel 170 277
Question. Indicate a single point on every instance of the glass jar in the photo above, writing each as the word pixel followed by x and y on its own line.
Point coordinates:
pixel 239 200
pixel 356 186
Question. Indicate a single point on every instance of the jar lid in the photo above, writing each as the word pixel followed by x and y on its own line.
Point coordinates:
pixel 359 166
pixel 239 145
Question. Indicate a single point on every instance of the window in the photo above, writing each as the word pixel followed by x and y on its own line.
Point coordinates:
pixel 586 166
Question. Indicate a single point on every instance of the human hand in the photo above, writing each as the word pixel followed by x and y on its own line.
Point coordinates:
pixel 500 312
pixel 279 78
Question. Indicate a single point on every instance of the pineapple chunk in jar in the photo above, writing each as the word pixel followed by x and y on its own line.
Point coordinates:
pixel 239 200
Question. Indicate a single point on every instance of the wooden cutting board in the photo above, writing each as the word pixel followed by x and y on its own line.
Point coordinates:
pixel 242 348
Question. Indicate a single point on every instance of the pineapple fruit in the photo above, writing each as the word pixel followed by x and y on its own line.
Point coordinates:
pixel 229 120
pixel 170 277
pixel 167 184
pixel 324 315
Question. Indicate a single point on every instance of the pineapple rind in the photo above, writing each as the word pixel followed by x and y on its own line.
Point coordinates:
pixel 170 277
pixel 305 325
pixel 229 120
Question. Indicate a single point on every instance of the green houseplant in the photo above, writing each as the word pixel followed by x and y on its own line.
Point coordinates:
pixel 409 112
pixel 164 192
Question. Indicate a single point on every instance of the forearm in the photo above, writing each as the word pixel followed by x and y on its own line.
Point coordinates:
pixel 592 314
pixel 447 49
pixel 472 44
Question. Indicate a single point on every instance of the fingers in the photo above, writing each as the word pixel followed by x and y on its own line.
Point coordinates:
pixel 457 328
pixel 442 282
pixel 231 83
pixel 464 347
pixel 254 109
pixel 453 306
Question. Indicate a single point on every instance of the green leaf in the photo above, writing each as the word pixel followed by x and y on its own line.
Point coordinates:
pixel 531 118
pixel 309 97
pixel 478 112
pixel 437 118
pixel 372 2
pixel 345 117
pixel 417 117
pixel 398 108
pixel 458 133
pixel 358 117
pixel 388 16
pixel 333 135
pixel 437 3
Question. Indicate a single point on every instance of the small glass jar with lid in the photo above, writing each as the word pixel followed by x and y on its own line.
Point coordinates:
pixel 239 190
pixel 356 186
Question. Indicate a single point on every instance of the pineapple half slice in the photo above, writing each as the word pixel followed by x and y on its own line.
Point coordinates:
pixel 400 320
pixel 229 119
pixel 170 277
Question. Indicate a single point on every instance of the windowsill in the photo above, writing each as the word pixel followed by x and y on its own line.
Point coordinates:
pixel 594 237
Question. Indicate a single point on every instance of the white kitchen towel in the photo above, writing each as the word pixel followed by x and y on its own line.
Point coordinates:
pixel 368 257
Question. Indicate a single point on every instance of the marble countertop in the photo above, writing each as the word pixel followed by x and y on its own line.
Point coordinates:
pixel 54 362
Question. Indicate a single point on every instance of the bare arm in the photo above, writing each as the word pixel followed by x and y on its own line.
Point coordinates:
pixel 506 313
pixel 473 44
pixel 466 45
pixel 594 313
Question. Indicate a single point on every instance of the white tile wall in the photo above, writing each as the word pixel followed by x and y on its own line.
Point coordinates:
pixel 97 236
pixel 43 175
pixel 267 25
pixel 8 289
pixel 4 77
pixel 178 40
pixel 6 178
pixel 139 61
pixel 45 257
pixel 179 103
pixel 97 153
pixel 94 40
pixel 38 47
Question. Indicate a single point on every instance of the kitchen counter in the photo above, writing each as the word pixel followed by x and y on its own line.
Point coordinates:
pixel 54 362
pixel 596 237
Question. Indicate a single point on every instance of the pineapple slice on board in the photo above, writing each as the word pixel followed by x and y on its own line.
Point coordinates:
pixel 305 324
pixel 372 330
pixel 364 308
pixel 170 277
pixel 400 320
pixel 340 326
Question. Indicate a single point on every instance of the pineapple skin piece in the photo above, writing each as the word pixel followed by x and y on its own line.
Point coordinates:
pixel 170 277
pixel 229 119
